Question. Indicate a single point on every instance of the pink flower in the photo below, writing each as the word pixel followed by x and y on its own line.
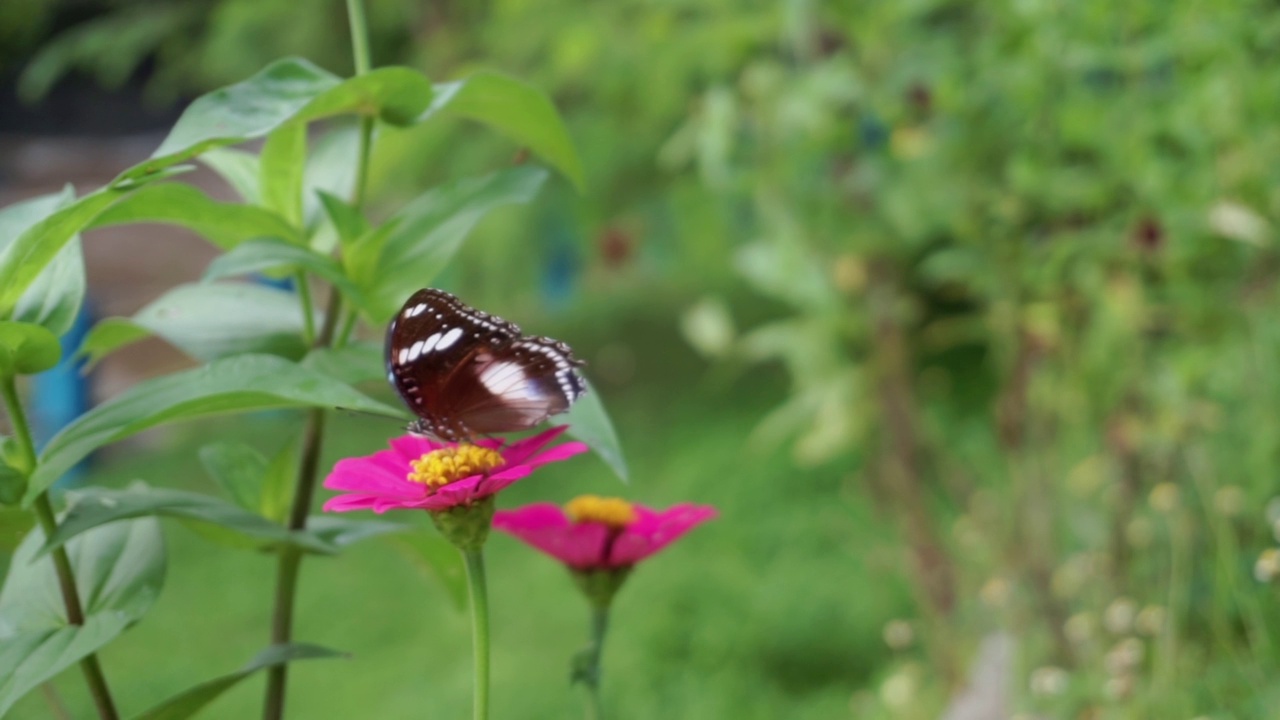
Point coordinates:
pixel 419 473
pixel 594 533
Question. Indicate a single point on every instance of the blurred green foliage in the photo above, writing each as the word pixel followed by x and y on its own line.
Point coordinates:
pixel 1017 256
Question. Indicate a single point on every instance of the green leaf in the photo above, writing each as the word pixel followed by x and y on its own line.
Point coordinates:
pixel 284 157
pixel 96 507
pixel 425 234
pixel 330 169
pixel 278 480
pixel 234 384
pixel 348 222
pixel 438 559
pixel 109 335
pixel 190 702
pixel 210 321
pixel 238 469
pixel 339 532
pixel 289 90
pixel 26 349
pixel 352 364
pixel 119 570
pixel 24 259
pixel 516 109
pixel 53 300
pixel 588 421
pixel 13 483
pixel 268 254
pixel 239 168
pixel 223 224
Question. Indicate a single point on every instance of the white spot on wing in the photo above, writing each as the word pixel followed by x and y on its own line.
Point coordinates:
pixel 449 338
pixel 508 381
pixel 415 350
pixel 430 343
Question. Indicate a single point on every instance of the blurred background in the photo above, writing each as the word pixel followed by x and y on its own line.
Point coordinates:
pixel 964 315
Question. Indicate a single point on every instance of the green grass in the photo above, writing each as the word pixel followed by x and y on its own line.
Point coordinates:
pixel 775 609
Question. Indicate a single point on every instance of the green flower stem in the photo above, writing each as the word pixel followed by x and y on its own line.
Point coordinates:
pixel 304 298
pixel 599 626
pixel 480 630
pixel 93 676
pixel 290 558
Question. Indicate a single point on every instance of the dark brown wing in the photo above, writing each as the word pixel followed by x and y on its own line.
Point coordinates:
pixel 465 372
pixel 517 386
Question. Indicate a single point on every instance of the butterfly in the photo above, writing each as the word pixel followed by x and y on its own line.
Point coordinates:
pixel 465 372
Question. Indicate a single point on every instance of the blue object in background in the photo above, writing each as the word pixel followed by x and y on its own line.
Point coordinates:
pixel 61 394
pixel 560 263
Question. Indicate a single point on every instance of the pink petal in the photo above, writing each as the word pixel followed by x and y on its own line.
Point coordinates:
pixel 365 476
pixel 347 503
pixel 503 478
pixel 562 451
pixel 519 451
pixel 412 447
pixel 459 491
pixel 545 527
pixel 537 516
pixel 653 531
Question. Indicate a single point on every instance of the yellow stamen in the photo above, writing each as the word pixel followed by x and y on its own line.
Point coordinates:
pixel 446 465
pixel 614 512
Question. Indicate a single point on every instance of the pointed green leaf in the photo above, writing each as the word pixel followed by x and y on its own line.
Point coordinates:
pixel 426 234
pixel 26 257
pixel 516 109
pixel 26 349
pixel 234 384
pixel 338 532
pixel 331 168
pixel 352 364
pixel 96 507
pixel 347 221
pixel 223 224
pixel 588 421
pixel 210 321
pixel 238 469
pixel 239 168
pixel 278 481
pixel 13 483
pixel 268 254
pixel 190 702
pixel 119 570
pixel 53 299
pixel 284 157
pixel 289 90
pixel 438 559
pixel 109 335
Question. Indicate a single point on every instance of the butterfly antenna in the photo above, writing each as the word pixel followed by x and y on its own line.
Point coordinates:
pixel 366 413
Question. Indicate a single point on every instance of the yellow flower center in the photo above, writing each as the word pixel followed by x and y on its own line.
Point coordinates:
pixel 614 512
pixel 450 464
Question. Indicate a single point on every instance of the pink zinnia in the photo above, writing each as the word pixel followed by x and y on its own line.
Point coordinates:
pixel 420 473
pixel 594 533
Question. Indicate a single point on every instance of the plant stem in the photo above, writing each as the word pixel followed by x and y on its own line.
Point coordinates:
pixel 290 558
pixel 56 706
pixel 599 626
pixel 308 316
pixel 479 630
pixel 363 62
pixel 93 676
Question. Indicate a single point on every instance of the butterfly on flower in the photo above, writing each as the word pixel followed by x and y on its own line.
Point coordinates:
pixel 466 373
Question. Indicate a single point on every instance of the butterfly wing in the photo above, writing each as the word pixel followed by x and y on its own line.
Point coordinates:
pixel 518 385
pixel 465 372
